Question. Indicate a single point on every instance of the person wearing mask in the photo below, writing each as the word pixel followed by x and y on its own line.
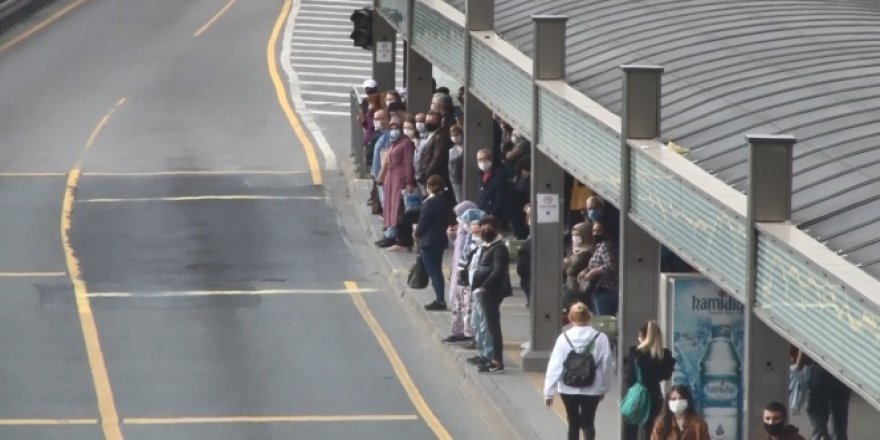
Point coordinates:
pixel 580 403
pixel 434 159
pixel 369 105
pixel 492 281
pixel 397 175
pixel 492 185
pixel 655 363
pixel 420 146
pixel 776 423
pixel 679 419
pixel 373 152
pixel 581 251
pixel 601 273
pixel 456 161
pixel 482 342
pixel 598 211
pixel 460 291
pixel 431 234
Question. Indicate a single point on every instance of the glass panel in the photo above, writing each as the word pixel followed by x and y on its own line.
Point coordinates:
pixel 502 86
pixel 815 307
pixel 586 148
pixel 691 223
pixel 397 13
pixel 439 40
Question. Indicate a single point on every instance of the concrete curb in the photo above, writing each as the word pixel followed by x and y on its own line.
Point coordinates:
pixel 480 389
pixel 14 11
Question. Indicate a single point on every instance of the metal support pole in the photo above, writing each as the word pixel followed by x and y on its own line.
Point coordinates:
pixel 418 81
pixel 765 375
pixel 384 59
pixel 639 264
pixel 479 16
pixel 548 189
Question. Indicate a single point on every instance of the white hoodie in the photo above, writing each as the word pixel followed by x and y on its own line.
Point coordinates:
pixel 579 337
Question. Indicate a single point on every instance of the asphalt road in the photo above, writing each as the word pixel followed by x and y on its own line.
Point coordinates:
pixel 169 269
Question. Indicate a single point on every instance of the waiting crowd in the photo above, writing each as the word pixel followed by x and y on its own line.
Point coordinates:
pixel 416 161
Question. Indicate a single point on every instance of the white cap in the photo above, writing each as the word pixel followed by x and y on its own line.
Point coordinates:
pixel 370 83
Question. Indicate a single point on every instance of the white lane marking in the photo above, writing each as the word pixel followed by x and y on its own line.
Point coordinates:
pixel 365 71
pixel 325 39
pixel 332 60
pixel 198 198
pixel 352 54
pixel 324 26
pixel 194 293
pixel 296 93
pixel 319 93
pixel 327 103
pixel 332 46
pixel 332 75
pixel 337 85
pixel 348 2
pixel 302 31
pixel 329 113
pixel 307 19
pixel 331 7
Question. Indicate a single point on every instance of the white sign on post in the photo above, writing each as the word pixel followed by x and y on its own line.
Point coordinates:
pixel 548 208
pixel 384 52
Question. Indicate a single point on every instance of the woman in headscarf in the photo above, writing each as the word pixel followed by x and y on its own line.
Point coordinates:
pixel 459 290
pixel 397 174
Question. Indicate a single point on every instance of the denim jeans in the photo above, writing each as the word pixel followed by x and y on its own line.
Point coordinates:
pixel 605 302
pixel 480 326
pixel 432 257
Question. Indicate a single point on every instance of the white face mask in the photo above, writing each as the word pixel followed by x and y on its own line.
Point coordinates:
pixel 409 132
pixel 678 406
pixel 478 240
pixel 388 103
pixel 485 165
pixel 420 126
pixel 576 240
pixel 394 134
pixel 456 140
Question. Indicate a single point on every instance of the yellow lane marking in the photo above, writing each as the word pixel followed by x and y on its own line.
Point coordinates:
pixel 397 364
pixel 41 25
pixel 283 100
pixel 269 419
pixel 100 377
pixel 32 274
pixel 200 198
pixel 213 19
pixel 193 173
pixel 265 292
pixel 47 422
pixel 32 174
pixel 97 130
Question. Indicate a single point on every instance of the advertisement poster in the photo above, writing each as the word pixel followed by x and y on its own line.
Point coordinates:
pixel 707 328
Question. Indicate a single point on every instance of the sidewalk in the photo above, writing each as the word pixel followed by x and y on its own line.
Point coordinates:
pixel 515 396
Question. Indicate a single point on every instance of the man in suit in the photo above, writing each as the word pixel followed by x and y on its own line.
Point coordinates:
pixel 434 158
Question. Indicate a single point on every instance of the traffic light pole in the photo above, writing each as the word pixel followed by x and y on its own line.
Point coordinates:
pixel 384 53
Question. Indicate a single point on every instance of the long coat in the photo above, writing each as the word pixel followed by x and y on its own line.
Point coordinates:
pixel 398 175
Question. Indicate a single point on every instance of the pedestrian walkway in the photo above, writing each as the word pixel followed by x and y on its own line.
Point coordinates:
pixel 326 63
pixel 515 395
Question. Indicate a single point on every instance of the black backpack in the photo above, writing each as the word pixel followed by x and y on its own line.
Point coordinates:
pixel 579 368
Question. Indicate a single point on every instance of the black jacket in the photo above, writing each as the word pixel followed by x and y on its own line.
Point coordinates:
pixel 653 370
pixel 433 221
pixel 435 157
pixel 491 199
pixel 493 273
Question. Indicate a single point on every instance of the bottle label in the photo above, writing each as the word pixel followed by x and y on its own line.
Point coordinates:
pixel 720 391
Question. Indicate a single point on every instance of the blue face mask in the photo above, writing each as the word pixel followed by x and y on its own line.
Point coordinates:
pixel 594 214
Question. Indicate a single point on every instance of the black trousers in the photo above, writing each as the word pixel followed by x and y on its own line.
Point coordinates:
pixel 581 412
pixel 404 227
pixel 492 313
pixel 631 432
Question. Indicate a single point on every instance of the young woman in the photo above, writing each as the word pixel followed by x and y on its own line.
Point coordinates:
pixel 679 420
pixel 656 364
pixel 431 233
pixel 492 282
pixel 580 403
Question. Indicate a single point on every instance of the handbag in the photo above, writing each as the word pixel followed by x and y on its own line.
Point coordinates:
pixel 635 407
pixel 418 276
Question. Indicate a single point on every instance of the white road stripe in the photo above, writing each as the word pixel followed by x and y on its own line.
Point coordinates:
pixel 325 39
pixel 360 53
pixel 301 31
pixel 316 93
pixel 328 113
pixel 361 4
pixel 327 103
pixel 365 70
pixel 331 75
pixel 333 46
pixel 332 60
pixel 323 26
pixel 307 19
pixel 296 95
pixel 330 7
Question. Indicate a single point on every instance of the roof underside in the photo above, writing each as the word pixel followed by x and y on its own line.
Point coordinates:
pixel 804 67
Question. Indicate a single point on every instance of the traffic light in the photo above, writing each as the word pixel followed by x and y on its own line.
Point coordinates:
pixel 362 35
